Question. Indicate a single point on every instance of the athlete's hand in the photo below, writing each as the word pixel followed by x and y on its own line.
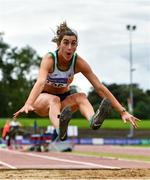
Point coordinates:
pixel 25 109
pixel 127 117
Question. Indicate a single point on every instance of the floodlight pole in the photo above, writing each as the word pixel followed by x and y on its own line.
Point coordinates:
pixel 131 28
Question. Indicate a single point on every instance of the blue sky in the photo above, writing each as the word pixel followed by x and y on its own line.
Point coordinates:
pixel 101 26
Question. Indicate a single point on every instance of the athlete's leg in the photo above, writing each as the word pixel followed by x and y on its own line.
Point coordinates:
pixel 48 105
pixel 79 101
pixel 70 104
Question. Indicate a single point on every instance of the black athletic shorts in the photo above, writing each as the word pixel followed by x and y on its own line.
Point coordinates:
pixel 63 96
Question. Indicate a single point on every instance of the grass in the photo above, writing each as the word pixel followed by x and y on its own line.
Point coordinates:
pixel 114 155
pixel 81 123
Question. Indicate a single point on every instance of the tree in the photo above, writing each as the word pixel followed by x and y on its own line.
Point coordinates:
pixel 17 69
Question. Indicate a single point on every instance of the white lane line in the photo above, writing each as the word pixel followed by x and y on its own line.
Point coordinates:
pixel 75 162
pixel 65 160
pixel 7 165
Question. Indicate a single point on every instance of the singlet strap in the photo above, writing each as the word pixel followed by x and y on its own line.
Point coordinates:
pixel 52 54
pixel 74 61
pixel 54 59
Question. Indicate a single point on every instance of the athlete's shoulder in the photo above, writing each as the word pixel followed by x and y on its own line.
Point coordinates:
pixel 81 60
pixel 52 54
pixel 81 64
pixel 48 56
pixel 47 60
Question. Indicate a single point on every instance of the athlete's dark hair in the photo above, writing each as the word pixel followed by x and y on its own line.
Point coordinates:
pixel 63 30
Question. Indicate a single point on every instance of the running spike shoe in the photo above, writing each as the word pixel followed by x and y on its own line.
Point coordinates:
pixel 64 119
pixel 101 114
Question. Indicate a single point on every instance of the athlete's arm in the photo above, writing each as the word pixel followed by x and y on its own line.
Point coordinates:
pixel 45 68
pixel 83 67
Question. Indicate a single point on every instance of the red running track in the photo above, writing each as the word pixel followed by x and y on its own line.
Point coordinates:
pixel 12 159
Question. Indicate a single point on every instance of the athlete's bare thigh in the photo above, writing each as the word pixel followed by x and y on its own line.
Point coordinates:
pixel 73 100
pixel 42 104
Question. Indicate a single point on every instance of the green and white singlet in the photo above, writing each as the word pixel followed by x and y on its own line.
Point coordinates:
pixel 60 78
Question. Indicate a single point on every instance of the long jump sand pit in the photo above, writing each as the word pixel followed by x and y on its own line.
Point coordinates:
pixel 46 174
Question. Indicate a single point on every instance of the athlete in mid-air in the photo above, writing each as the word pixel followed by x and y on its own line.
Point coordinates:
pixel 51 95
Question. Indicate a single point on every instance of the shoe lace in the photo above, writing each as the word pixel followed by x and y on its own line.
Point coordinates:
pixel 97 113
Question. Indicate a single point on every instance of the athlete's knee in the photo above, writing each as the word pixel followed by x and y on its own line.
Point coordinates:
pixel 81 97
pixel 54 100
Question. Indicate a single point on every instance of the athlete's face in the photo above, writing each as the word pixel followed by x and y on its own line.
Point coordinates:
pixel 68 46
